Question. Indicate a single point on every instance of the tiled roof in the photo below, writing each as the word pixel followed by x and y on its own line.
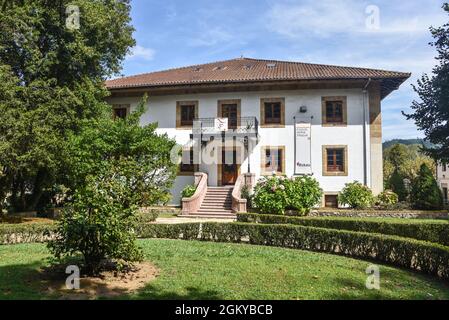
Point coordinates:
pixel 250 70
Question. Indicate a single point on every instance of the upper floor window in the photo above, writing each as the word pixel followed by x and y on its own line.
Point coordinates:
pixel 186 112
pixel 335 162
pixel 444 167
pixel 272 112
pixel 120 111
pixel 273 160
pixel 334 111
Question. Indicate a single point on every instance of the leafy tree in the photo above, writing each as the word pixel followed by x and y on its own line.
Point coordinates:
pixel 106 142
pixel 406 160
pixel 426 194
pixel 51 77
pixel 117 166
pixel 396 184
pixel 396 155
pixel 99 223
pixel 432 111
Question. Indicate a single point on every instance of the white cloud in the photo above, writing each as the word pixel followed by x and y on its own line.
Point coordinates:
pixel 139 52
pixel 327 17
pixel 210 37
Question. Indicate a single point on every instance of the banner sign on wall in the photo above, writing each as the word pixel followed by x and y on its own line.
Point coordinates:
pixel 303 156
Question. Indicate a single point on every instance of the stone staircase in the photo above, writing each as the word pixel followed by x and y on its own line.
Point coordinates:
pixel 217 203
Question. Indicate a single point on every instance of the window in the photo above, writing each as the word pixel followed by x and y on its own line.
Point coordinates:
pixel 187 115
pixel 230 109
pixel 120 111
pixel 444 167
pixel 186 112
pixel 335 161
pixel 187 166
pixel 273 160
pixel 272 112
pixel 334 111
pixel 331 201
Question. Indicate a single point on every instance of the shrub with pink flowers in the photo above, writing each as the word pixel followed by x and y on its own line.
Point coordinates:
pixel 270 196
pixel 273 195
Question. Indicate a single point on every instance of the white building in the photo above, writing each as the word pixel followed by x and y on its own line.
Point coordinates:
pixel 443 180
pixel 284 117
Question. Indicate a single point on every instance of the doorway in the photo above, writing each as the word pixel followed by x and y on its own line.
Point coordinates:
pixel 229 167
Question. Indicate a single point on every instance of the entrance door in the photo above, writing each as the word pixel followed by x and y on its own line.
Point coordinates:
pixel 230 111
pixel 229 167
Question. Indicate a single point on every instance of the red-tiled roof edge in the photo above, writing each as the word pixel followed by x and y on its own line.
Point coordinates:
pixel 383 74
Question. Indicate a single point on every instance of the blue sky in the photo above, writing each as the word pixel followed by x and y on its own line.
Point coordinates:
pixel 175 33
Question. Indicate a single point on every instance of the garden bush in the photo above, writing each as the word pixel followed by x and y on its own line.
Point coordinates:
pixel 426 230
pixel 303 193
pixel 273 195
pixel 387 199
pixel 188 191
pixel 356 196
pixel 100 224
pixel 270 195
pixel 426 195
pixel 26 232
pixel 417 255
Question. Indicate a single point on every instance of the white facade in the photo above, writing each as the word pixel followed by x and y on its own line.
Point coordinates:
pixel 443 180
pixel 355 135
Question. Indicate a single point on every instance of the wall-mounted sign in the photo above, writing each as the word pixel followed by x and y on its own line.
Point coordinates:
pixel 303 156
pixel 221 124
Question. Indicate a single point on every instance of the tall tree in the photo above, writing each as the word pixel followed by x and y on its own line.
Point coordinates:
pixel 52 71
pixel 431 113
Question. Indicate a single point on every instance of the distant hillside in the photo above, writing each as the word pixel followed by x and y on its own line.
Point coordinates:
pixel 407 142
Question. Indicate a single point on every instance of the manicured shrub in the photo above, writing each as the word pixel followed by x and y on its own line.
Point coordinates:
pixel 356 196
pixel 417 255
pixel 396 184
pixel 427 230
pixel 426 195
pixel 26 232
pixel 387 199
pixel 188 191
pixel 100 224
pixel 270 195
pixel 303 193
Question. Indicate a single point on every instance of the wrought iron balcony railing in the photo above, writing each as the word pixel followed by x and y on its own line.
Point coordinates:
pixel 245 126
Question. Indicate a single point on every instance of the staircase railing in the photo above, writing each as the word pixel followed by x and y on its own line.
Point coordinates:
pixel 192 204
pixel 238 204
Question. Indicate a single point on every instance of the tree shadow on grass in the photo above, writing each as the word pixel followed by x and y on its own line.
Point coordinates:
pixel 21 281
pixel 151 292
pixel 396 286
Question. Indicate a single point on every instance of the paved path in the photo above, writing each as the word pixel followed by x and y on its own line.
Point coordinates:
pixel 188 220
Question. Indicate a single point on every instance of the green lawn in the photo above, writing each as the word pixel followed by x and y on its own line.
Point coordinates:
pixel 202 270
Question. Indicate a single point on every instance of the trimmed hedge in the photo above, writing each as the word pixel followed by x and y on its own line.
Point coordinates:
pixel 417 255
pixel 26 233
pixel 413 254
pixel 437 232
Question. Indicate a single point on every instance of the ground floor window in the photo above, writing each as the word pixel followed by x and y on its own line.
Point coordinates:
pixel 331 201
pixel 273 160
pixel 187 166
